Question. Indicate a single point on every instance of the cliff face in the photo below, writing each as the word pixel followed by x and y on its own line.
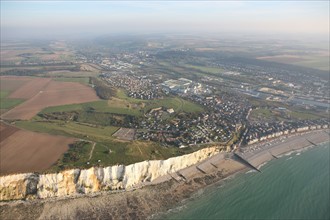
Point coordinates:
pixel 76 181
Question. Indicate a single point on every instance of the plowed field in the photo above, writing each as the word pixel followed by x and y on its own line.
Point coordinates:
pixel 41 93
pixel 26 151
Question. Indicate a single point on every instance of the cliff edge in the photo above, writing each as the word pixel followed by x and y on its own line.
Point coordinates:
pixel 84 181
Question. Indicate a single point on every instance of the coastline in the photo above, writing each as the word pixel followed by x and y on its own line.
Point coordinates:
pixel 163 193
pixel 261 153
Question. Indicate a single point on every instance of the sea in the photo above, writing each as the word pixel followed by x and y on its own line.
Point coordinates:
pixel 295 186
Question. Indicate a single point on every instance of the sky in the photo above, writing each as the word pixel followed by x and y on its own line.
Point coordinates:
pixel 59 18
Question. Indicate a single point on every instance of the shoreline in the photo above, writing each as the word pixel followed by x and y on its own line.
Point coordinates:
pixel 164 193
pixel 260 153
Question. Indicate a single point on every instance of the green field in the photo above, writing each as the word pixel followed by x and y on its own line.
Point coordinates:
pixel 107 149
pixel 84 155
pixel 8 103
pixel 69 74
pixel 213 70
pixel 83 131
pixel 129 106
pixel 303 115
pixel 321 63
pixel 177 103
pixel 82 80
pixel 289 114
pixel 262 113
pixel 99 106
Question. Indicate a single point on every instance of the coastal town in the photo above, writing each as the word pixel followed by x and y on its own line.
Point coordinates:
pixel 225 118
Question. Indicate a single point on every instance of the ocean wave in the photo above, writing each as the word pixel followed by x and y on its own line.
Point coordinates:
pixel 250 171
pixel 161 215
pixel 261 165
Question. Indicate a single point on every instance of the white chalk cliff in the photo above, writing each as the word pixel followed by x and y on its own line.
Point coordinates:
pixel 76 181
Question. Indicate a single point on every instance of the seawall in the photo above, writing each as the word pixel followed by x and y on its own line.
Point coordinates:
pixel 261 153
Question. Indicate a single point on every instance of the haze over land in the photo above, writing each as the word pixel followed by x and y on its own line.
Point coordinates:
pixel 50 19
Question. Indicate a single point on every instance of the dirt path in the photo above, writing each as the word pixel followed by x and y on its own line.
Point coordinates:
pixel 140 150
pixel 91 153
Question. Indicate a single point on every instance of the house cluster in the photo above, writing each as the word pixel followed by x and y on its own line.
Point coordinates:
pixel 222 119
pixel 138 87
pixel 264 131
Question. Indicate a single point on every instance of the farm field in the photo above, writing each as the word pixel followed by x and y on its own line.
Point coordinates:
pixel 7 86
pixel 70 74
pixel 71 129
pixel 32 53
pixel 26 151
pixel 7 103
pixel 318 61
pixel 44 92
pixel 107 149
pixel 82 80
pixel 29 89
pixel 99 106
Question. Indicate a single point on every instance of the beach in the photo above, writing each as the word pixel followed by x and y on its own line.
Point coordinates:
pixel 163 193
pixel 259 154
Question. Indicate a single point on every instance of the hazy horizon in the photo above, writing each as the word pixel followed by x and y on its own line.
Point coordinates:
pixel 37 19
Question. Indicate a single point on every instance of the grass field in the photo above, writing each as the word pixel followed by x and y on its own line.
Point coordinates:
pixel 70 74
pixel 129 106
pixel 206 69
pixel 317 61
pixel 108 150
pixel 84 155
pixel 290 114
pixel 177 103
pixel 99 106
pixel 83 131
pixel 303 115
pixel 8 103
pixel 82 80
pixel 8 86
